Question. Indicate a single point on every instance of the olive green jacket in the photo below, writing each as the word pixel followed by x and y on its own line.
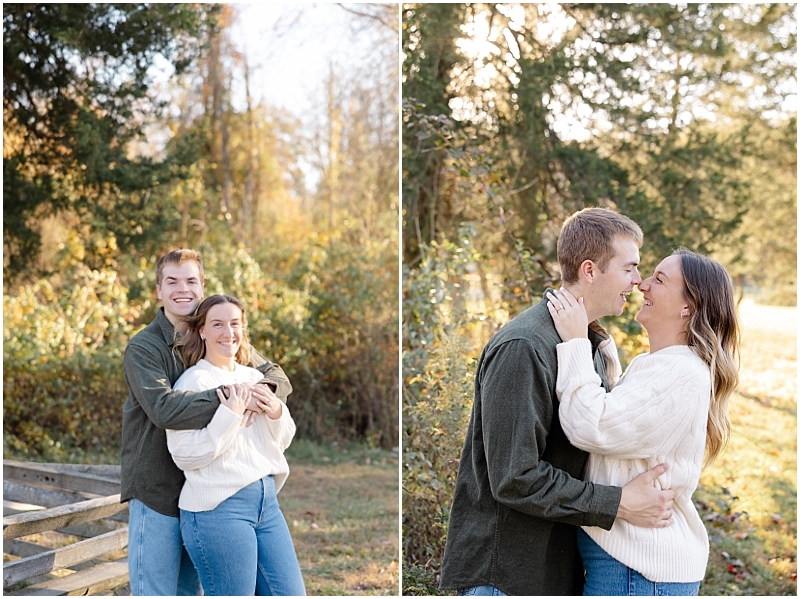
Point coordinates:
pixel 152 366
pixel 519 495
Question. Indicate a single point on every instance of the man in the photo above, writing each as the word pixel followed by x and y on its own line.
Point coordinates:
pixel 151 482
pixel 519 494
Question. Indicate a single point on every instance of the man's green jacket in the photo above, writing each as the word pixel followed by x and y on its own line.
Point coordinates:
pixel 152 367
pixel 519 494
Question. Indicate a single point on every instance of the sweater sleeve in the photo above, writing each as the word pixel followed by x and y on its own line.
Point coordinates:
pixel 516 414
pixel 195 449
pixel 278 432
pixel 149 384
pixel 641 418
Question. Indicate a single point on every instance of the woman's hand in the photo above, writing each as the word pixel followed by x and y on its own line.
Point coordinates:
pixel 236 401
pixel 568 314
pixel 267 401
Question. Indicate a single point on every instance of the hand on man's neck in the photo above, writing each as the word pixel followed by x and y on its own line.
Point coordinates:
pixel 578 291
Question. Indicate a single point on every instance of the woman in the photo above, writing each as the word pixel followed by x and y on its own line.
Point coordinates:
pixel 231 523
pixel 670 406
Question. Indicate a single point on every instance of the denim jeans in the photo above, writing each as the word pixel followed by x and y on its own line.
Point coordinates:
pixel 243 546
pixel 482 591
pixel 157 562
pixel 607 576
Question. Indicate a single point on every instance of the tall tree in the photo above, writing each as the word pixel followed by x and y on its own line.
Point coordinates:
pixel 613 104
pixel 430 56
pixel 77 83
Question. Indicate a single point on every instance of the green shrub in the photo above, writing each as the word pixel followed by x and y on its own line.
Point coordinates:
pixel 63 384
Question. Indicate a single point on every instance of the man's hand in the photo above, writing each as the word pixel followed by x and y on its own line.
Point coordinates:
pixel 644 505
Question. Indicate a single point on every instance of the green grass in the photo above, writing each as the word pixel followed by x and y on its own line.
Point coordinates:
pixel 748 499
pixel 342 505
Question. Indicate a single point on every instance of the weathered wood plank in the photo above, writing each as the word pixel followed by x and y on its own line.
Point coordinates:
pixel 27 472
pixel 64 557
pixel 43 497
pixel 111 471
pixel 21 548
pixel 54 518
pixel 24 493
pixel 103 577
pixel 12 507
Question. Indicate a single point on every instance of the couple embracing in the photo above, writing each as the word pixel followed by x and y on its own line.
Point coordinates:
pixel 204 430
pixel 574 477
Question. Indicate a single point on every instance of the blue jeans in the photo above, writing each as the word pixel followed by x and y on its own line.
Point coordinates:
pixel 607 576
pixel 482 591
pixel 157 562
pixel 243 546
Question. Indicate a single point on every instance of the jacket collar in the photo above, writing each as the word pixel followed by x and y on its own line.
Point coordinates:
pixel 166 327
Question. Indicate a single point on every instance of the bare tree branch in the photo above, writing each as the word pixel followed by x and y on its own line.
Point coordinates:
pixel 383 20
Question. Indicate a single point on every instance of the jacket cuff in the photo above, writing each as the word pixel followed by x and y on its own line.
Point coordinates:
pixel 605 505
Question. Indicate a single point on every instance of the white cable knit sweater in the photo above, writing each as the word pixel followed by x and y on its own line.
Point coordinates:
pixel 224 457
pixel 656 413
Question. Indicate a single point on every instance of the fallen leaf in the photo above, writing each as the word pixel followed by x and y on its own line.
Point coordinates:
pixel 739 536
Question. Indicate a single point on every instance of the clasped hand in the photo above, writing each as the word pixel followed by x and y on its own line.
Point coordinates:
pixel 569 315
pixel 248 400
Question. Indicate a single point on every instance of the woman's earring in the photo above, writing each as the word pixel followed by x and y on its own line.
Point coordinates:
pixel 685 313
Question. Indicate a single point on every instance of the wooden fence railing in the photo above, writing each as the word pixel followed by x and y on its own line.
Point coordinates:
pixel 44 502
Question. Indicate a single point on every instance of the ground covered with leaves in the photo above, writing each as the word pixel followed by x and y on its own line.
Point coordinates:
pixel 748 499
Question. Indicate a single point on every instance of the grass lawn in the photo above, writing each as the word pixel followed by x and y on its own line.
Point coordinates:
pixel 342 509
pixel 748 499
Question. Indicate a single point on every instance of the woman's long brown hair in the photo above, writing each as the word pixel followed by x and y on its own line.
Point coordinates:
pixel 192 348
pixel 713 334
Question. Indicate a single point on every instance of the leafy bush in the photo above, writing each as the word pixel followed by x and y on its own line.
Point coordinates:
pixel 323 310
pixel 434 422
pixel 63 382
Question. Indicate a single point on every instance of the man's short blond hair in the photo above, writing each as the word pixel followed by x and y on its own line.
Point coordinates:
pixel 179 257
pixel 589 235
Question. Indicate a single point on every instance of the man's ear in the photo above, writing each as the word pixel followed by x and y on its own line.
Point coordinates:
pixel 587 271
